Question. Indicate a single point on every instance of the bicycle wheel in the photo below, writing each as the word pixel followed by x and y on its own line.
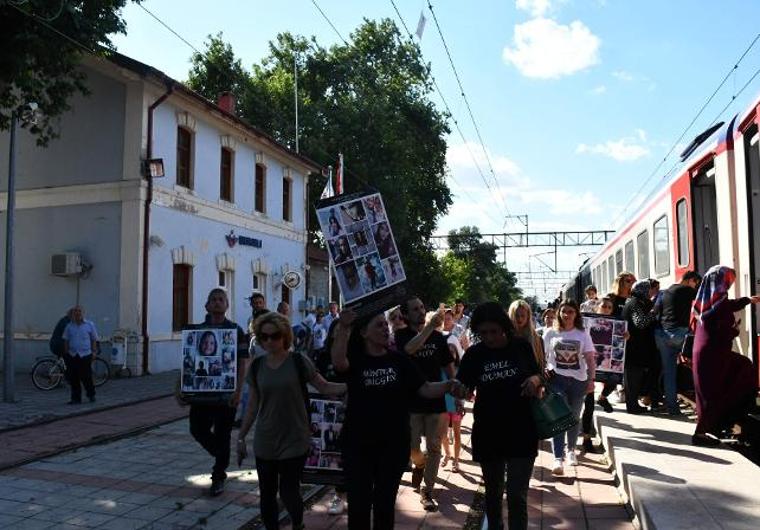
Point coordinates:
pixel 47 374
pixel 101 371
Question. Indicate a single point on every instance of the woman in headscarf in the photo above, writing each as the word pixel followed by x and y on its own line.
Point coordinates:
pixel 725 382
pixel 640 349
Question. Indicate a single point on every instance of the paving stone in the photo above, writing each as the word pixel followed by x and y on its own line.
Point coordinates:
pixel 88 519
pixel 149 513
pixel 32 524
pixel 122 523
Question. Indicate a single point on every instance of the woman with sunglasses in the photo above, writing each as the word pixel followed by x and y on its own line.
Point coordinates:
pixel 376 433
pixel 621 291
pixel 282 437
pixel 571 365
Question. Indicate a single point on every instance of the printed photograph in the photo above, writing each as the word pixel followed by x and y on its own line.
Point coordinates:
pixel 601 330
pixel 352 212
pixel 330 412
pixel 362 243
pixel 330 437
pixel 617 366
pixel 393 271
pixel 207 364
pixel 620 327
pixel 207 344
pixel 618 341
pixel 228 337
pixel 373 206
pixel 228 360
pixel 618 354
pixel 330 461
pixel 357 227
pixel 340 250
pixel 215 367
pixel 371 272
pixel 330 222
pixel 384 240
pixel 350 283
pixel 315 453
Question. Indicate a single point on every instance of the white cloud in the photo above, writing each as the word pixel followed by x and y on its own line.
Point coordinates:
pixel 458 156
pixel 599 90
pixel 626 149
pixel 545 49
pixel 536 8
pixel 623 75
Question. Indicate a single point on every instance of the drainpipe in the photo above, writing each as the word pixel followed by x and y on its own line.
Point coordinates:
pixel 146 235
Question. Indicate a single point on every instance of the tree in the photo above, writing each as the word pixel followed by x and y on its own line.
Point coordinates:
pixel 369 100
pixel 473 270
pixel 39 65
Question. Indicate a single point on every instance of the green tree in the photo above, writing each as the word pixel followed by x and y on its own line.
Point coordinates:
pixel 474 271
pixel 38 64
pixel 369 100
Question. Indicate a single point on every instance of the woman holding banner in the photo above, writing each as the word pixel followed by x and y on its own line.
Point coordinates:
pixel 376 433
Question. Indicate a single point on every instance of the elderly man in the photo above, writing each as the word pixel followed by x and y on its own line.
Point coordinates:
pixel 80 345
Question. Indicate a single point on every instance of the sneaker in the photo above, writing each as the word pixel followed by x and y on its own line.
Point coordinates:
pixel 428 503
pixel 605 404
pixel 588 445
pixel 337 506
pixel 704 440
pixel 558 469
pixel 217 487
pixel 572 460
pixel 417 474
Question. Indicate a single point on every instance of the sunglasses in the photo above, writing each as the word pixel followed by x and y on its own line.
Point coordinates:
pixel 263 337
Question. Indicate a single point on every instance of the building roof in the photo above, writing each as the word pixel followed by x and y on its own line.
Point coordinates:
pixel 145 70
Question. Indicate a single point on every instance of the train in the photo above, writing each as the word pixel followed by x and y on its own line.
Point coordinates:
pixel 707 212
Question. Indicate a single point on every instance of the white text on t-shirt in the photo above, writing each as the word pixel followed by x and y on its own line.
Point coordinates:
pixel 379 376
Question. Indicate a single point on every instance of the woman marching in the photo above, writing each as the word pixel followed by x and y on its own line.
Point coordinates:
pixel 570 361
pixel 725 382
pixel 522 319
pixel 277 401
pixel 640 349
pixel 502 369
pixel 376 434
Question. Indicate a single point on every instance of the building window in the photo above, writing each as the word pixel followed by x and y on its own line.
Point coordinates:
pixel 260 189
pixel 285 294
pixel 184 157
pixel 642 244
pixel 287 186
pixel 225 175
pixel 259 283
pixel 629 258
pixel 661 246
pixel 682 223
pixel 225 282
pixel 619 261
pixel 181 280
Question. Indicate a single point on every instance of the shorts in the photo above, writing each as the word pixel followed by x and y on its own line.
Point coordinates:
pixel 454 417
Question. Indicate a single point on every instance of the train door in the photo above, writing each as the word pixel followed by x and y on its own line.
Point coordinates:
pixel 705 215
pixel 752 161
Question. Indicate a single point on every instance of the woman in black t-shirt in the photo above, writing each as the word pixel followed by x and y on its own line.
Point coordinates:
pixel 375 436
pixel 503 371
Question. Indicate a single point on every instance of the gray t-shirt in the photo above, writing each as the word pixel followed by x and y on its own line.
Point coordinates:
pixel 282 428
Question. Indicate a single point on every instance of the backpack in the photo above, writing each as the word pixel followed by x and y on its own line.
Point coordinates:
pixel 302 377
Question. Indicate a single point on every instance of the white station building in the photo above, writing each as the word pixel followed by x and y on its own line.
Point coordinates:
pixel 230 211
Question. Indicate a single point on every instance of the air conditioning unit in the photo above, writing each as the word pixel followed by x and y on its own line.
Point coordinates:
pixel 68 264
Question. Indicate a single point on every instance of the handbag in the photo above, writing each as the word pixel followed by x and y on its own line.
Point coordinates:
pixel 552 415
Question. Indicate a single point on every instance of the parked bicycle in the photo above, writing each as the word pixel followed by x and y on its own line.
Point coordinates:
pixel 50 371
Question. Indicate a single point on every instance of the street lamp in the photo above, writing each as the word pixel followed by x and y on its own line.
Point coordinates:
pixel 28 115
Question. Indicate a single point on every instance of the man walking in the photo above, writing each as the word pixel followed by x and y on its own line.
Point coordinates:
pixel 80 345
pixel 331 315
pixel 429 351
pixel 591 303
pixel 258 307
pixel 211 421
pixel 674 311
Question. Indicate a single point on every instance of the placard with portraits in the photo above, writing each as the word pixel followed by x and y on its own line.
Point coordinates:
pixel 608 335
pixel 209 361
pixel 323 461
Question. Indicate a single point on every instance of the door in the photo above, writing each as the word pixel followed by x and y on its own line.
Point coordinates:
pixel 705 214
pixel 752 165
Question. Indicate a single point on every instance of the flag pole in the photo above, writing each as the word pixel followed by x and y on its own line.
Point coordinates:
pixel 295 93
pixel 329 261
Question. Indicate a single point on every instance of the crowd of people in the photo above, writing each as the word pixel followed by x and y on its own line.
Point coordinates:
pixel 406 374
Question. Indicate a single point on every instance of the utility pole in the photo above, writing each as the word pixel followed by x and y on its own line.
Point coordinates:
pixel 8 364
pixel 295 93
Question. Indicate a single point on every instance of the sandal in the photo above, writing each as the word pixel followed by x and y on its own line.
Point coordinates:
pixel 445 460
pixel 455 467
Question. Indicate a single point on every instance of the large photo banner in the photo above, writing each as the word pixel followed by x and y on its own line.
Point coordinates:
pixel 361 246
pixel 323 461
pixel 209 361
pixel 608 336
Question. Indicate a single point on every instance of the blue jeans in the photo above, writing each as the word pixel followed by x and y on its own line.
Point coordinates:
pixel 669 343
pixel 575 392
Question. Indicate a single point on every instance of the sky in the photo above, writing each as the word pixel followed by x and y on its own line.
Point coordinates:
pixel 577 101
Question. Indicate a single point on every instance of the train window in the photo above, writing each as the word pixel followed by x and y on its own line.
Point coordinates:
pixel 661 246
pixel 611 271
pixel 629 259
pixel 642 244
pixel 603 287
pixel 683 232
pixel 619 261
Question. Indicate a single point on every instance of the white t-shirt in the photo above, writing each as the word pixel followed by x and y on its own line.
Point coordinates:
pixel 564 352
pixel 590 305
pixel 454 341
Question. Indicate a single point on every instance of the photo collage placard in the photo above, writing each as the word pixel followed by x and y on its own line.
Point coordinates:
pixel 326 421
pixel 209 360
pixel 608 335
pixel 361 245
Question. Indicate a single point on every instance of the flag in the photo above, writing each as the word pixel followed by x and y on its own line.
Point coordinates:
pixel 339 175
pixel 328 191
pixel 421 25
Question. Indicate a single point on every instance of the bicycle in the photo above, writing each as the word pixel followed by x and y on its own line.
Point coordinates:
pixel 50 371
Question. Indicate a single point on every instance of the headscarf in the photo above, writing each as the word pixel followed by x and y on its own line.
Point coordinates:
pixel 641 289
pixel 712 291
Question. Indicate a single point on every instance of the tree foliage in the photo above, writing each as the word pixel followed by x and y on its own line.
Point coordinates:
pixel 473 270
pixel 38 65
pixel 368 100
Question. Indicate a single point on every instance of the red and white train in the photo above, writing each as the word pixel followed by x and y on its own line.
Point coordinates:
pixel 708 213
